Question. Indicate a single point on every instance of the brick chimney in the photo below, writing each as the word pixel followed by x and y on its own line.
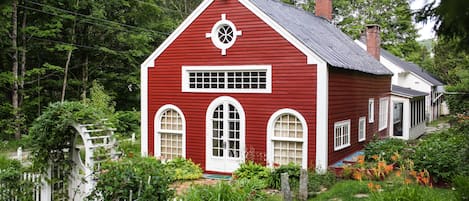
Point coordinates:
pixel 373 41
pixel 324 9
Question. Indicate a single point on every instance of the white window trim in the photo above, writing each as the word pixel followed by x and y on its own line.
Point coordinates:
pixel 270 136
pixel 383 115
pixel 214 34
pixel 187 69
pixel 158 130
pixel 362 119
pixel 371 111
pixel 342 123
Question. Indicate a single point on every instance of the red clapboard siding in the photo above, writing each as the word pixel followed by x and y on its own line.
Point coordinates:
pixel 349 92
pixel 294 82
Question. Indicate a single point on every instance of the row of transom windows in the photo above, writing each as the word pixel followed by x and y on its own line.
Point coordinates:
pixel 227 80
pixel 287 135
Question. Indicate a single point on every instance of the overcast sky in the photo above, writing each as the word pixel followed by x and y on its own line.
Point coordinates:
pixel 425 30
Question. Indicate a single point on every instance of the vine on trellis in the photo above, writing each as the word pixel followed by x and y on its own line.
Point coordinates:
pixel 52 134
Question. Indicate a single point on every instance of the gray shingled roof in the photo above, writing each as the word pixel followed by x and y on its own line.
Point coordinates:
pixel 411 67
pixel 406 91
pixel 323 38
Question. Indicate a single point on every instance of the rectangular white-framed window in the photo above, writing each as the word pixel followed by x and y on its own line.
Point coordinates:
pixel 371 110
pixel 233 79
pixel 341 135
pixel 383 113
pixel 362 129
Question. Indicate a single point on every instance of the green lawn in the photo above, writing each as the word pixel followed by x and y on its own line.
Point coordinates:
pixel 348 189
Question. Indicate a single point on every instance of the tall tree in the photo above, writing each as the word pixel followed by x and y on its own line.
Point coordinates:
pixel 452 17
pixel 398 34
pixel 451 65
pixel 14 58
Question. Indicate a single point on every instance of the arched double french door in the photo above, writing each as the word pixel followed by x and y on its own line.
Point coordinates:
pixel 225 135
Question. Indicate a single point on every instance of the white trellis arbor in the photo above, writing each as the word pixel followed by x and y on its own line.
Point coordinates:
pixel 99 145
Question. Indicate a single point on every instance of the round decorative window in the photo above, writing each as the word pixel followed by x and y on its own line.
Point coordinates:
pixel 223 34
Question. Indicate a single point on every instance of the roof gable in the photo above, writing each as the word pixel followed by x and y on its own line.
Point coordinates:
pixel 411 67
pixel 319 40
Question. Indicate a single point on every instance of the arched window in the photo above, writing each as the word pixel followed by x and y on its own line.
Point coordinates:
pixel 287 134
pixel 170 129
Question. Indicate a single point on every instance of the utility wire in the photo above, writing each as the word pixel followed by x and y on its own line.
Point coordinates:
pixel 74 45
pixel 99 19
pixel 87 21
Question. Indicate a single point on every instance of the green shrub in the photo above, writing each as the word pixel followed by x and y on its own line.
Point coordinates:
pixel 293 171
pixel 183 169
pixel 461 184
pixel 443 155
pixel 317 181
pixel 127 122
pixel 412 193
pixel 251 170
pixel 12 184
pixel 240 190
pixel 385 148
pixel 146 177
pixel 129 148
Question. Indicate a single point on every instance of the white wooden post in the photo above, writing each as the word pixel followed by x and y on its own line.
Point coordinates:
pixel 46 188
pixel 19 153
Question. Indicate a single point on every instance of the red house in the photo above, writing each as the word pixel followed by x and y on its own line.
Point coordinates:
pixel 241 76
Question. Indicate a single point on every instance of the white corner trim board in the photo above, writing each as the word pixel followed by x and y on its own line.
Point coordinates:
pixel 322 117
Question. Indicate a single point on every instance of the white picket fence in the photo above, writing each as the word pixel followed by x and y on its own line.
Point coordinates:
pixel 32 188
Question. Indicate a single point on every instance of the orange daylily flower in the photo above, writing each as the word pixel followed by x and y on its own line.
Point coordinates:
pixel 357 175
pixel 407 181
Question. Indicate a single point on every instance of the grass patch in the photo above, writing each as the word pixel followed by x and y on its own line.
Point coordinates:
pixel 344 190
pixel 442 119
pixel 347 189
pixel 8 146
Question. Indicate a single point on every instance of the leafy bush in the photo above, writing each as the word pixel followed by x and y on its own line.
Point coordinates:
pixel 443 155
pixel 127 122
pixel 129 149
pixel 183 169
pixel 52 132
pixel 385 148
pixel 317 181
pixel 251 170
pixel 146 177
pixel 12 184
pixel 240 190
pixel 461 184
pixel 293 171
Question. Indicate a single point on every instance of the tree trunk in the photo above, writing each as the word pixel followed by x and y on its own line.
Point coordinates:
pixel 85 78
pixel 64 85
pixel 69 57
pixel 23 60
pixel 14 45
